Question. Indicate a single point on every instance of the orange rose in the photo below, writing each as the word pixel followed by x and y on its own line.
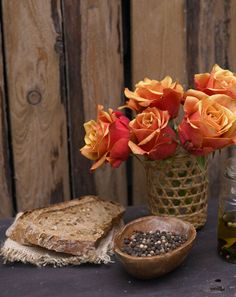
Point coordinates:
pixel 150 135
pixel 107 138
pixel 165 95
pixel 219 81
pixel 209 122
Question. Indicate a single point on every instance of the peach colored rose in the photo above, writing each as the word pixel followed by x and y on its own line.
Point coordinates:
pixel 165 95
pixel 150 135
pixel 219 81
pixel 209 122
pixel 107 138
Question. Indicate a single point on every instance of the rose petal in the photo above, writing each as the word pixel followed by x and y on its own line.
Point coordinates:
pixel 98 163
pixel 163 151
pixel 170 102
pixel 225 101
pixel 136 149
pixel 118 129
pixel 191 105
pixel 120 150
pixel 195 93
pixel 201 80
pixel 86 152
pixel 216 143
pixel 187 134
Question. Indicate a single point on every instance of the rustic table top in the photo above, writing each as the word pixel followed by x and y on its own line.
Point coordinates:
pixel 202 274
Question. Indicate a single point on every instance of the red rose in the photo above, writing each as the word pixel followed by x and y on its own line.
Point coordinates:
pixel 209 122
pixel 107 138
pixel 219 81
pixel 150 135
pixel 165 95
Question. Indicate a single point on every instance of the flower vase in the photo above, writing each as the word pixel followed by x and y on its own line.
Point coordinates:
pixel 178 187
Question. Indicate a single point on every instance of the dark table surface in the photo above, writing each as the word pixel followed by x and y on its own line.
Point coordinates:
pixel 202 274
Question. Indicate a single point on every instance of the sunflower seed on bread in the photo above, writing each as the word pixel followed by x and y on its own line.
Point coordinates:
pixel 73 227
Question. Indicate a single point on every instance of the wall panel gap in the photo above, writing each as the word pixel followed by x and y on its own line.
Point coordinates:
pixel 82 180
pixel 66 93
pixel 7 144
pixel 126 27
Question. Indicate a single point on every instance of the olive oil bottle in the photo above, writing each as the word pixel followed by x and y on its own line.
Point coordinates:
pixel 227 213
pixel 227 236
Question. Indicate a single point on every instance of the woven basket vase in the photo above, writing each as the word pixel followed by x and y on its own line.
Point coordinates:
pixel 178 187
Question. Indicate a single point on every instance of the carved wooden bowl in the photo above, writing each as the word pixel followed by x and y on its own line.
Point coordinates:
pixel 151 267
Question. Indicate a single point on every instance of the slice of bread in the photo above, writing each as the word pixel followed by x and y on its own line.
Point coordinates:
pixel 74 227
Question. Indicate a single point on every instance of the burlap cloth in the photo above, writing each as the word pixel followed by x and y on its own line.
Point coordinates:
pixel 12 251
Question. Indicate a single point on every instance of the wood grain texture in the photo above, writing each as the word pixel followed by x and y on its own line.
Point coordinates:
pixel 208 36
pixel 212 23
pixel 83 182
pixel 6 208
pixel 230 8
pixel 33 46
pixel 231 33
pixel 92 53
pixel 102 78
pixel 192 44
pixel 158 40
pixel 212 34
pixel 158 49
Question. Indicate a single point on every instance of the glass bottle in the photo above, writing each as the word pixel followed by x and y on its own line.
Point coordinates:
pixel 227 213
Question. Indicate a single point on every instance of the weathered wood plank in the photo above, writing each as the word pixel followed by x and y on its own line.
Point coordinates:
pixel 208 43
pixel 230 22
pixel 213 17
pixel 83 181
pixel 192 26
pixel 230 25
pixel 158 44
pixel 158 49
pixel 32 31
pixel 6 207
pixel 95 75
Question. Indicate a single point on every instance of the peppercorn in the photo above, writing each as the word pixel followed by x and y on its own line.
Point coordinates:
pixel 152 243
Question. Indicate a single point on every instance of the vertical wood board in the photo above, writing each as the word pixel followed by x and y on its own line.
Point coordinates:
pixel 83 181
pixel 158 40
pixel 102 78
pixel 6 207
pixel 158 49
pixel 33 45
pixel 230 23
pixel 213 34
pixel 208 43
pixel 231 34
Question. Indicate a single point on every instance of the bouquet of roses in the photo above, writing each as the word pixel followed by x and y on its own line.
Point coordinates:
pixel 208 122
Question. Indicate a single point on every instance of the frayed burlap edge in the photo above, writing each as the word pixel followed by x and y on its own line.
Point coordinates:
pixel 15 252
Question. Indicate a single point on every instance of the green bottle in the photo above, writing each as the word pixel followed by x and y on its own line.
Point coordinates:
pixel 227 213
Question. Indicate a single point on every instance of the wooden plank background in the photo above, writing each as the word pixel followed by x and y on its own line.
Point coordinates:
pixel 36 103
pixel 212 24
pixel 60 58
pixel 94 29
pixel 163 52
pixel 5 179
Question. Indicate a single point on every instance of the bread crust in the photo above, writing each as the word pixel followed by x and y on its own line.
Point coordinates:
pixel 73 227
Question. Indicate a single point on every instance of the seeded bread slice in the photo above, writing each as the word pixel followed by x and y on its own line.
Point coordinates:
pixel 74 227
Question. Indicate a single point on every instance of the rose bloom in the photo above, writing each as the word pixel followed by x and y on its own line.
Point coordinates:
pixel 107 138
pixel 150 135
pixel 219 81
pixel 209 122
pixel 165 95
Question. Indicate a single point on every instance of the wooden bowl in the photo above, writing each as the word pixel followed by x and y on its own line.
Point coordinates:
pixel 151 267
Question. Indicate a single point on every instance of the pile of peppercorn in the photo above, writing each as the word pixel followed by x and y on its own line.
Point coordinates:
pixel 152 243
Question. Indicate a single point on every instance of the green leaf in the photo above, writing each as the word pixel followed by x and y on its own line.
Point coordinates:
pixel 173 125
pixel 201 162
